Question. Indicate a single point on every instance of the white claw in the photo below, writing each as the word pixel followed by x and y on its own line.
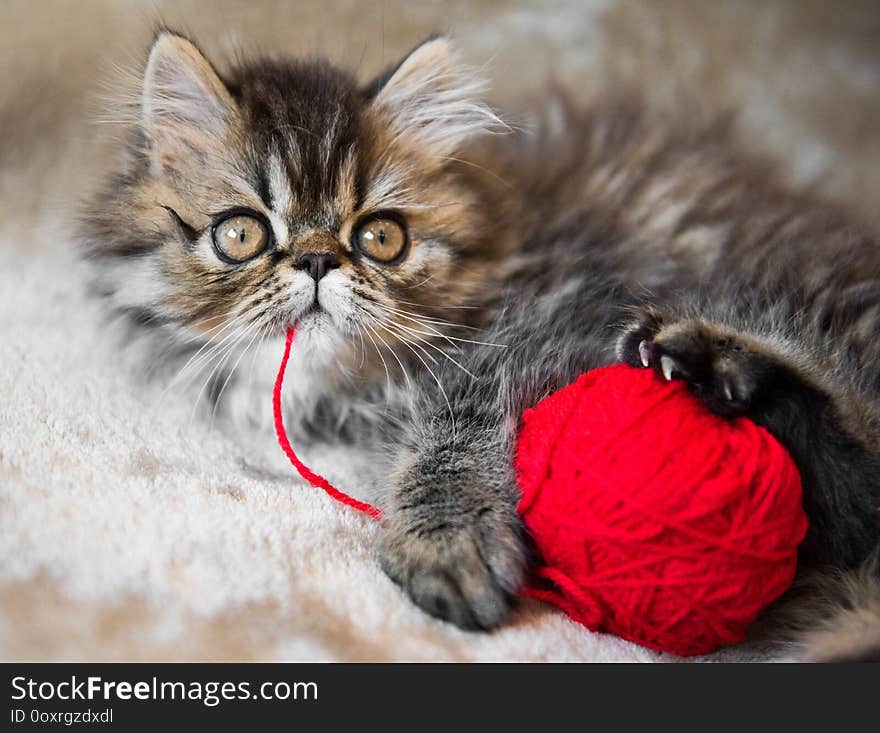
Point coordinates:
pixel 667 366
pixel 728 393
pixel 644 353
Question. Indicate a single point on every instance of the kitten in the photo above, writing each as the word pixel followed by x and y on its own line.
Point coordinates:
pixel 446 272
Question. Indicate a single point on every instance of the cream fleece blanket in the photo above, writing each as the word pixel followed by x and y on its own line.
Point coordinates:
pixel 130 529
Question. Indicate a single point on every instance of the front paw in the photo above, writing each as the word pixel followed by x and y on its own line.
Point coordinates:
pixel 463 569
pixel 724 368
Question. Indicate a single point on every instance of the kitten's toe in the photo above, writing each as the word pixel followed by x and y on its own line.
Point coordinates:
pixel 467 574
pixel 438 594
pixel 480 607
pixel 633 346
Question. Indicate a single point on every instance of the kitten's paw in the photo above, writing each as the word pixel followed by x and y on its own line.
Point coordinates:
pixel 722 367
pixel 466 570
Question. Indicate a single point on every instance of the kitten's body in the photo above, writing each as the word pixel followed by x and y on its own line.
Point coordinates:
pixel 534 256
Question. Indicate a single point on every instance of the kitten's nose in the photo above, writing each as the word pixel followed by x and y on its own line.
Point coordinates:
pixel 317 263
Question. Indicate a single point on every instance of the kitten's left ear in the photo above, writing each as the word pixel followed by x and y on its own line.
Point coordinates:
pixel 433 98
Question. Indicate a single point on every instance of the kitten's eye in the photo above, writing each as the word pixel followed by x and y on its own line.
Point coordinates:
pixel 382 237
pixel 240 237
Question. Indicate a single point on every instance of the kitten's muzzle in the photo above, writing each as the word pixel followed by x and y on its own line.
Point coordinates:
pixel 317 264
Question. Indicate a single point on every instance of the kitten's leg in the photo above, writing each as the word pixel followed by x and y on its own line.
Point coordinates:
pixel 739 374
pixel 453 539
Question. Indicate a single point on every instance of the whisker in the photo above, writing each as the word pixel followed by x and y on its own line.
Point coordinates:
pixel 450 339
pixel 403 339
pixel 407 329
pixel 199 358
pixel 264 332
pixel 422 322
pixel 230 375
pixel 437 380
pixel 436 348
pixel 431 319
pixel 196 362
pixel 217 367
pixel 394 354
pixel 363 350
pixel 384 366
pixel 468 307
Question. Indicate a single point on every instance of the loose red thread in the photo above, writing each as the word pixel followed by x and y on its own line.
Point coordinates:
pixel 319 482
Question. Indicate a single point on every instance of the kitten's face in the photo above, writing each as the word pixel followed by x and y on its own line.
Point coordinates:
pixel 288 195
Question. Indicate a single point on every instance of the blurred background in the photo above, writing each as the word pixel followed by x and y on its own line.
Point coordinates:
pixel 802 76
pixel 127 531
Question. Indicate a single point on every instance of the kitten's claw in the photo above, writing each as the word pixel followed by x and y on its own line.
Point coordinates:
pixel 645 353
pixel 667 366
pixel 728 393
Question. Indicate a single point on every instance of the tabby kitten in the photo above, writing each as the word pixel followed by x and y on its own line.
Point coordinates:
pixel 446 272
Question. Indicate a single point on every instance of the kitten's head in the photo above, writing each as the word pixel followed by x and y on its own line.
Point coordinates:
pixel 284 192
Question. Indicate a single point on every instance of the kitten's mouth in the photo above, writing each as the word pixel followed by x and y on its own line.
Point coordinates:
pixel 311 315
pixel 314 314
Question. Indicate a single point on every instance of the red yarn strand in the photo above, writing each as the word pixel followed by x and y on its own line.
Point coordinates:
pixel 319 482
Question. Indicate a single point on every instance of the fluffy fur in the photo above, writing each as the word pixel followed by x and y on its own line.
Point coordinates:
pixel 594 236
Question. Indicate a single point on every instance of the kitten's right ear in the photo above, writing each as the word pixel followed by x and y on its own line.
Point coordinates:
pixel 186 108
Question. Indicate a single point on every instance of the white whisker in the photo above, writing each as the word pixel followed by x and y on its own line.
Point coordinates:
pixel 433 346
pixel 437 380
pixel 228 351
pixel 230 375
pixel 430 325
pixel 394 354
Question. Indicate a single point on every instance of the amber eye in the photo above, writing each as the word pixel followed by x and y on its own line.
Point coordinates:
pixel 381 237
pixel 239 237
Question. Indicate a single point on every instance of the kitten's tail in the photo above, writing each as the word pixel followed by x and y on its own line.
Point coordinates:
pixel 838 615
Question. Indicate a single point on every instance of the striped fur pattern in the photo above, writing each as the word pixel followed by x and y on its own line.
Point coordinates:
pixel 589 237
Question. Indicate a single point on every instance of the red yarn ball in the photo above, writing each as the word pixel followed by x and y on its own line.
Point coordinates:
pixel 656 520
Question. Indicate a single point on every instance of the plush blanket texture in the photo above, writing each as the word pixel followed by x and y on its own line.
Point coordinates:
pixel 130 529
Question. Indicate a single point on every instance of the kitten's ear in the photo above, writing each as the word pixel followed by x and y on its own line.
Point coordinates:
pixel 186 108
pixel 433 98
